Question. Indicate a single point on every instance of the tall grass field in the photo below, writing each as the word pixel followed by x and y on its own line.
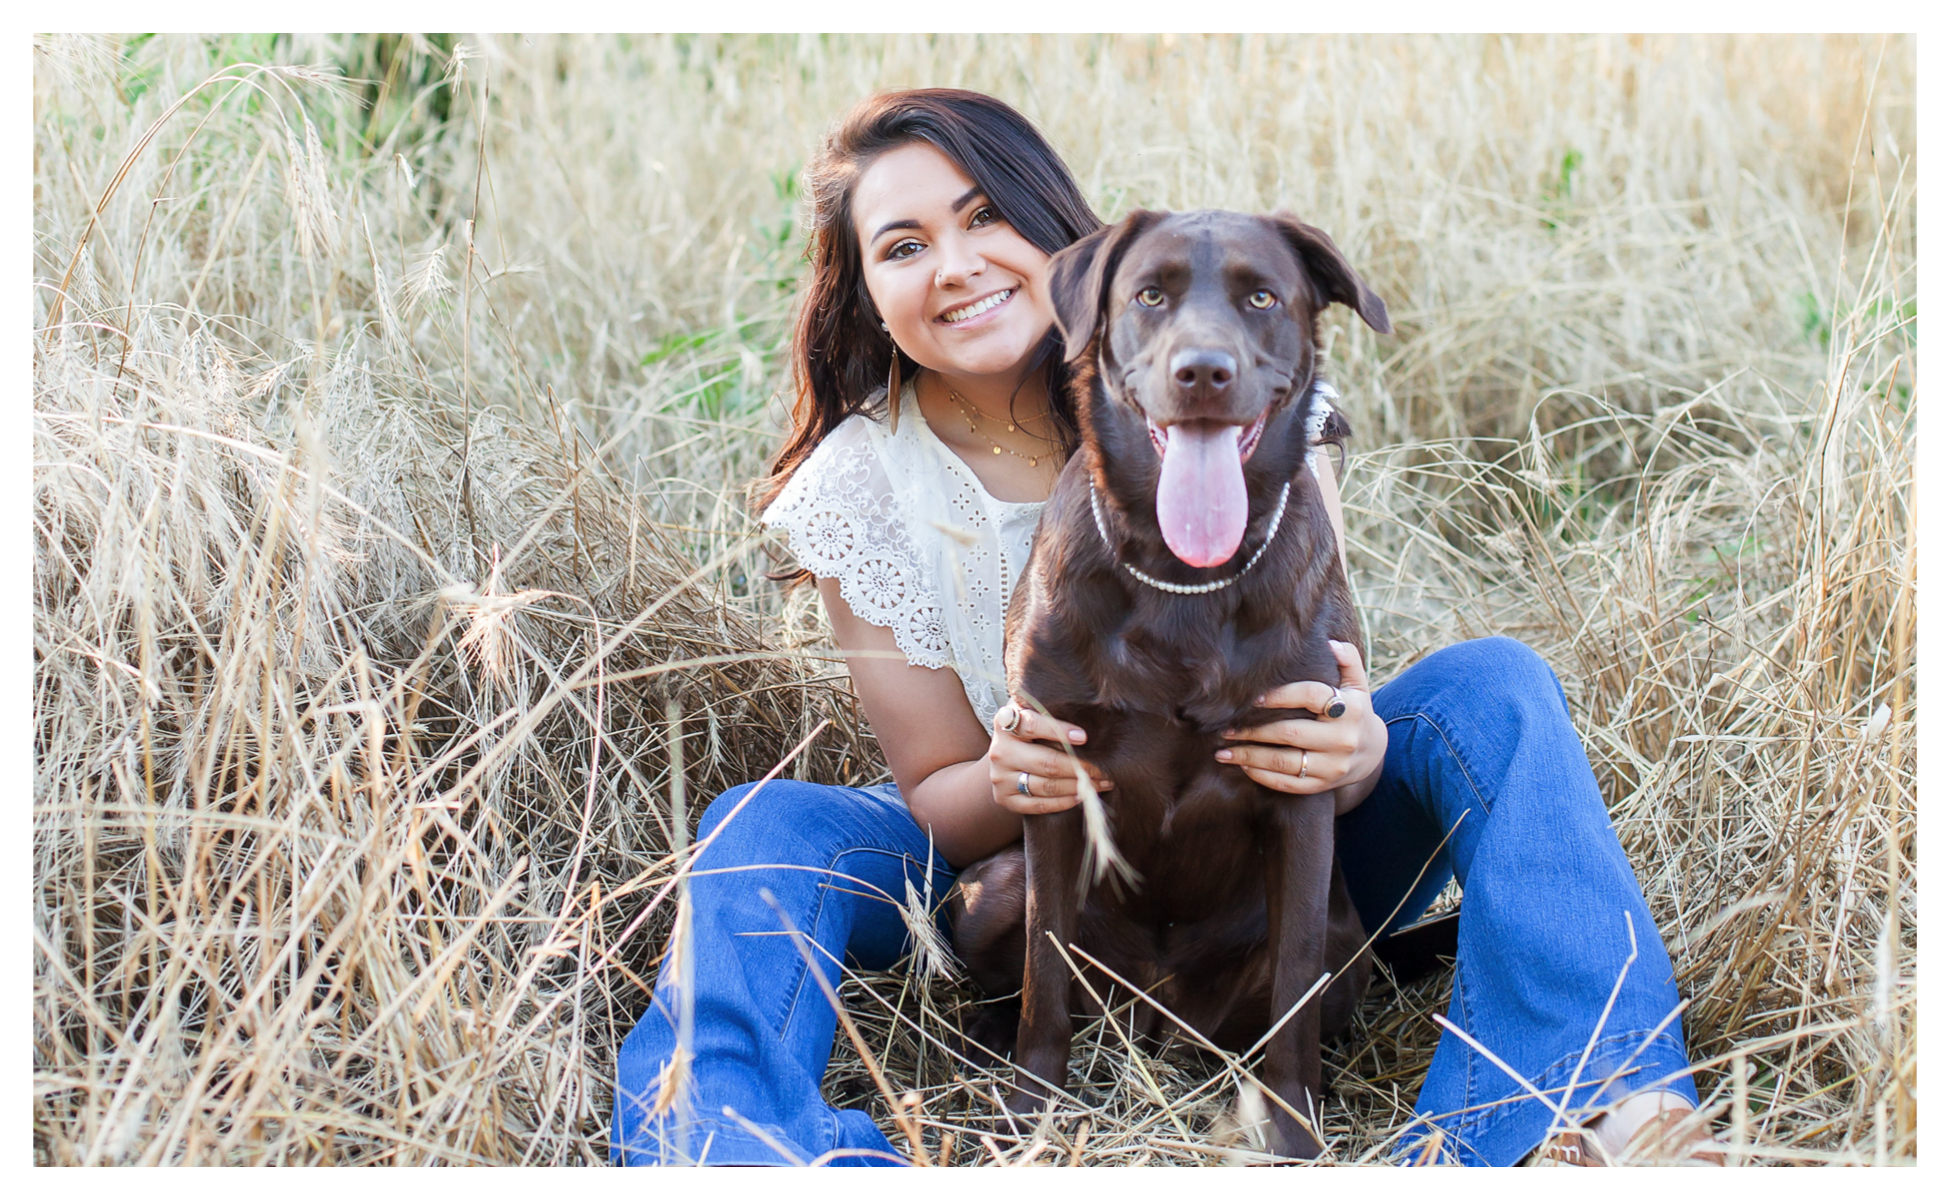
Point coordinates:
pixel 398 602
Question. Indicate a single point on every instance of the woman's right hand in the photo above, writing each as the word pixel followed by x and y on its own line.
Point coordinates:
pixel 1052 772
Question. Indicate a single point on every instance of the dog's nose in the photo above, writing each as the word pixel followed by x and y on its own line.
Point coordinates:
pixel 1206 372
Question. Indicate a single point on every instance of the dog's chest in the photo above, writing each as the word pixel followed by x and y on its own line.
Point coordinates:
pixel 1175 808
pixel 1196 835
pixel 1197 671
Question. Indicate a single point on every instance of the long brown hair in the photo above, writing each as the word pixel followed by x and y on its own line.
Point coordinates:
pixel 839 353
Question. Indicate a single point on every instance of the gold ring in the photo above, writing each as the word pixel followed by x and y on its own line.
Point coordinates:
pixel 1303 764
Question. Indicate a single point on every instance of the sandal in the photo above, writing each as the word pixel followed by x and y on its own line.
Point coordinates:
pixel 1671 1137
pixel 1674 1138
pixel 1570 1148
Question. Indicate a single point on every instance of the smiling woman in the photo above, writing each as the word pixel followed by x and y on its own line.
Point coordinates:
pixel 935 214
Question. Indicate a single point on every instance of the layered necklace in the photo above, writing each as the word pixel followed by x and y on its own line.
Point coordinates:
pixel 969 411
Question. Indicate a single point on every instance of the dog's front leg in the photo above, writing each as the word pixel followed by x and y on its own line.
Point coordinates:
pixel 1053 845
pixel 1299 873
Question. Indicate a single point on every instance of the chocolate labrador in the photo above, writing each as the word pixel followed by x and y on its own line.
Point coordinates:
pixel 1184 565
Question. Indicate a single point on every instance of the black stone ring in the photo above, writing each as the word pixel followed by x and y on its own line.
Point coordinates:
pixel 1336 706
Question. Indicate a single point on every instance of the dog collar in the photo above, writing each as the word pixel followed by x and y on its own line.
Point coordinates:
pixel 1187 589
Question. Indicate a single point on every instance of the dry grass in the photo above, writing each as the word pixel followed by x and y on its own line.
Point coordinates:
pixel 390 441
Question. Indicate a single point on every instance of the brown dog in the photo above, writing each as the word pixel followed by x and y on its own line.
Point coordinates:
pixel 1184 565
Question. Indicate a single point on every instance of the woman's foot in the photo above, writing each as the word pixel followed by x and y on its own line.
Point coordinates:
pixel 1649 1127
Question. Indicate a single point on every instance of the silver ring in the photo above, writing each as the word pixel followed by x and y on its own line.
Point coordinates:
pixel 1015 719
pixel 1303 764
pixel 1022 783
pixel 1336 706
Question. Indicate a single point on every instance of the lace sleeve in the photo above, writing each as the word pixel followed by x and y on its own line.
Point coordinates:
pixel 842 522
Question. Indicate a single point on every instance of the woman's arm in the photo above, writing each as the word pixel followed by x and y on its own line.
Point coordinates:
pixel 1330 496
pixel 956 777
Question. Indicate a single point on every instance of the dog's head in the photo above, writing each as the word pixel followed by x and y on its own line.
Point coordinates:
pixel 1204 328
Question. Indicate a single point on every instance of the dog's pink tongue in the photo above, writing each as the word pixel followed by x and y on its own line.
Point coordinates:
pixel 1202 492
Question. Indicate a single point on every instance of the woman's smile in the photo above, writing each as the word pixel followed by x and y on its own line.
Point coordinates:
pixel 969 314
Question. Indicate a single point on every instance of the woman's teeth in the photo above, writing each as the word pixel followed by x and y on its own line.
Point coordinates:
pixel 978 308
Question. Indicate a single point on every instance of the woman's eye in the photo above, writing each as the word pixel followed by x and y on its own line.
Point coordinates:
pixel 1261 299
pixel 904 249
pixel 1151 297
pixel 985 215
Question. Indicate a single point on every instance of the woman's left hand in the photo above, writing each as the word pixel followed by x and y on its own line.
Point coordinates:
pixel 1307 757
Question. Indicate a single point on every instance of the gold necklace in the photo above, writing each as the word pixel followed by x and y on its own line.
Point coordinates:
pixel 995 447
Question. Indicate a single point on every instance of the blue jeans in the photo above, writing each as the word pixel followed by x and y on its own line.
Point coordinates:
pixel 1479 740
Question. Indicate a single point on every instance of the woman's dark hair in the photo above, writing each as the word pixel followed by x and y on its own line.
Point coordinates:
pixel 839 352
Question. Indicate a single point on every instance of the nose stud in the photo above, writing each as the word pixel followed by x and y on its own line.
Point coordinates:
pixel 942 276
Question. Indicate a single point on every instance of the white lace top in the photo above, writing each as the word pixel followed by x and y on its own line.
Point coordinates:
pixel 916 542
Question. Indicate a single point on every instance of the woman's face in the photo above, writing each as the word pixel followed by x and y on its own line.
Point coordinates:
pixel 961 291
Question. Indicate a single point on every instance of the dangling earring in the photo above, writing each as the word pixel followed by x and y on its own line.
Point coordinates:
pixel 893 383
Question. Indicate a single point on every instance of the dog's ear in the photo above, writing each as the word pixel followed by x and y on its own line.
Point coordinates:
pixel 1080 273
pixel 1337 281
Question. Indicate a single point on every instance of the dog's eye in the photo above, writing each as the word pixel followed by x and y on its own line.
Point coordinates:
pixel 1151 297
pixel 1261 299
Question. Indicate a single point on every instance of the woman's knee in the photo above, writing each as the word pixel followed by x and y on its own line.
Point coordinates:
pixel 1506 659
pixel 772 821
pixel 1484 672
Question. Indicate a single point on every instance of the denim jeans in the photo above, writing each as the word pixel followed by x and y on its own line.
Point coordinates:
pixel 1479 741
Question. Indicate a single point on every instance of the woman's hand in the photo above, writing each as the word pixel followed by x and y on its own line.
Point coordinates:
pixel 1023 751
pixel 1305 757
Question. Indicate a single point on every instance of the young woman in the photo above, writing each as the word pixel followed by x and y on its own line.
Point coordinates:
pixel 935 216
